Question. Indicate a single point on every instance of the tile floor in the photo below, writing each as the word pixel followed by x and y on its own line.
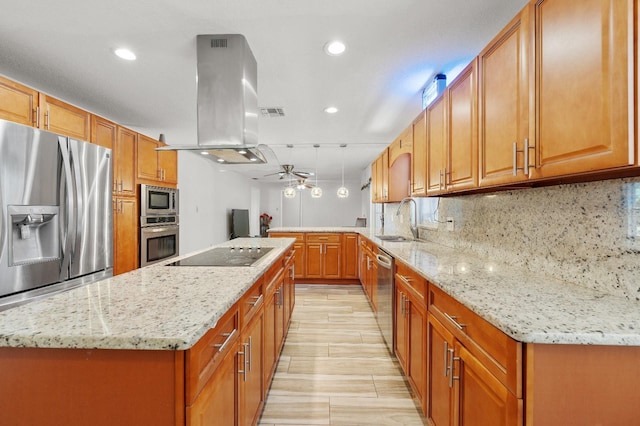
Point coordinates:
pixel 335 368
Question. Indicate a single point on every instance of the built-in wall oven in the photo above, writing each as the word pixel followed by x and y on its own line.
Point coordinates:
pixel 159 225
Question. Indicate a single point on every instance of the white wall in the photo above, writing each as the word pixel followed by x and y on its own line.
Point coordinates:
pixel 303 210
pixel 207 195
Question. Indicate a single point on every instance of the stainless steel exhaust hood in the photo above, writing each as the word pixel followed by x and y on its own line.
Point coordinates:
pixel 227 81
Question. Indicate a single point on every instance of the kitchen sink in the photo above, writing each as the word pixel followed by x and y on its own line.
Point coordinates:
pixel 391 238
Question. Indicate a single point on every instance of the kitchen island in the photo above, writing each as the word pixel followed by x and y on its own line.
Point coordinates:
pixel 121 351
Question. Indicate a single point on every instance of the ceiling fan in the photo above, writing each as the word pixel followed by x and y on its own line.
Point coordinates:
pixel 288 171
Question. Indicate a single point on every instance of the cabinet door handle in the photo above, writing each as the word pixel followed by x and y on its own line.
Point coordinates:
pixel 527 147
pixel 456 323
pixel 250 352
pixel 47 119
pixel 244 356
pixel 445 358
pixel 452 359
pixel 37 116
pixel 228 336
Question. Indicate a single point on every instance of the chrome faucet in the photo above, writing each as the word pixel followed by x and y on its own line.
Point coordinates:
pixel 413 225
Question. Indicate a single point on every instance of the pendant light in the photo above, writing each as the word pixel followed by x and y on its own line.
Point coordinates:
pixel 316 191
pixel 343 192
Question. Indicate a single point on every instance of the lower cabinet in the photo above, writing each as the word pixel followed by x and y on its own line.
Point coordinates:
pixel 411 329
pixel 229 370
pixel 250 354
pixel 218 399
pixel 475 370
pixel 324 254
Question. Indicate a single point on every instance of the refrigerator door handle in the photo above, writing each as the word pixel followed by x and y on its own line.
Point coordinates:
pixel 68 218
pixel 78 191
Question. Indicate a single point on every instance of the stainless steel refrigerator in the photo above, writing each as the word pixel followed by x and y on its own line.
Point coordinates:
pixel 55 217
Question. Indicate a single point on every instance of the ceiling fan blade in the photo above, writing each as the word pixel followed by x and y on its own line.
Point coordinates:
pixel 301 175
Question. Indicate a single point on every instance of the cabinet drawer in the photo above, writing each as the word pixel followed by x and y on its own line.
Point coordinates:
pixel 205 356
pixel 252 302
pixel 500 354
pixel 323 238
pixel 417 284
pixel 299 236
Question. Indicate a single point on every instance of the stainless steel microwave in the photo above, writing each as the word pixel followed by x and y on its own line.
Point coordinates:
pixel 158 200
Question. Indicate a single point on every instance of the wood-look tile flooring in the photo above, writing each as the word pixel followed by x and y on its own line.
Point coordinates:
pixel 335 368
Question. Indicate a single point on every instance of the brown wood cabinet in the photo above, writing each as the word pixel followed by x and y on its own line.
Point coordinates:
pixel 104 133
pixel 481 368
pixel 411 329
pixel 65 119
pixel 461 171
pixel 399 168
pixel 419 156
pixel 369 272
pixel 125 235
pixel 323 255
pixel 504 93
pixel 584 87
pixel 250 355
pixel 18 103
pixel 350 255
pixel 436 146
pixel 380 178
pixel 300 258
pixel 155 167
pixel 124 165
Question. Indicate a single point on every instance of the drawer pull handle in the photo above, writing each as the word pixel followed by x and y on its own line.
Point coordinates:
pixel 444 357
pixel 256 301
pixel 228 336
pixel 456 323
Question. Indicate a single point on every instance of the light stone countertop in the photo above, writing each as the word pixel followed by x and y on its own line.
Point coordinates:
pixel 528 307
pixel 155 308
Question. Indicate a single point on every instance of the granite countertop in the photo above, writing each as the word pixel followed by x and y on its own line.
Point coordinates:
pixel 155 308
pixel 531 308
pixel 528 307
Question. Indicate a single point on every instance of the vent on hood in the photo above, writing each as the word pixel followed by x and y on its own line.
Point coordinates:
pixel 227 81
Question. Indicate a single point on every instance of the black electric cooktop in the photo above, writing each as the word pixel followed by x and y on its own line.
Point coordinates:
pixel 224 256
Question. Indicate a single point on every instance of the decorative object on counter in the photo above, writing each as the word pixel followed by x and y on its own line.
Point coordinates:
pixel 343 192
pixel 265 221
pixel 316 191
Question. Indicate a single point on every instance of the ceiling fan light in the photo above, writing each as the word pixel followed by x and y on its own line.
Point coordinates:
pixel 289 192
pixel 343 192
pixel 316 192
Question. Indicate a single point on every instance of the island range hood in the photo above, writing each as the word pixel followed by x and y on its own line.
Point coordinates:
pixel 227 81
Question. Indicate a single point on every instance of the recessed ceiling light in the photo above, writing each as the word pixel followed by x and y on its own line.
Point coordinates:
pixel 335 48
pixel 125 54
pixel 331 110
pixel 242 151
pixel 220 160
pixel 204 153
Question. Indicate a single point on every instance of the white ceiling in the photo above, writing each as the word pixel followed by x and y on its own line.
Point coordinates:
pixel 394 47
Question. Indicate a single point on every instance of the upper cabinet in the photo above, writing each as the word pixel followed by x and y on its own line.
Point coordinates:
pixel 419 156
pixel 156 167
pixel 380 178
pixel 584 86
pixel 504 102
pixel 399 170
pixel 18 103
pixel 64 119
pixel 461 170
pixel 436 146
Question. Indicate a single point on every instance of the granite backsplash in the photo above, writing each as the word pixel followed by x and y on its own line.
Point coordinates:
pixel 587 233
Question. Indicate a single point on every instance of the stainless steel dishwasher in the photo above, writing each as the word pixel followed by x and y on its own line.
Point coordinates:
pixel 386 272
